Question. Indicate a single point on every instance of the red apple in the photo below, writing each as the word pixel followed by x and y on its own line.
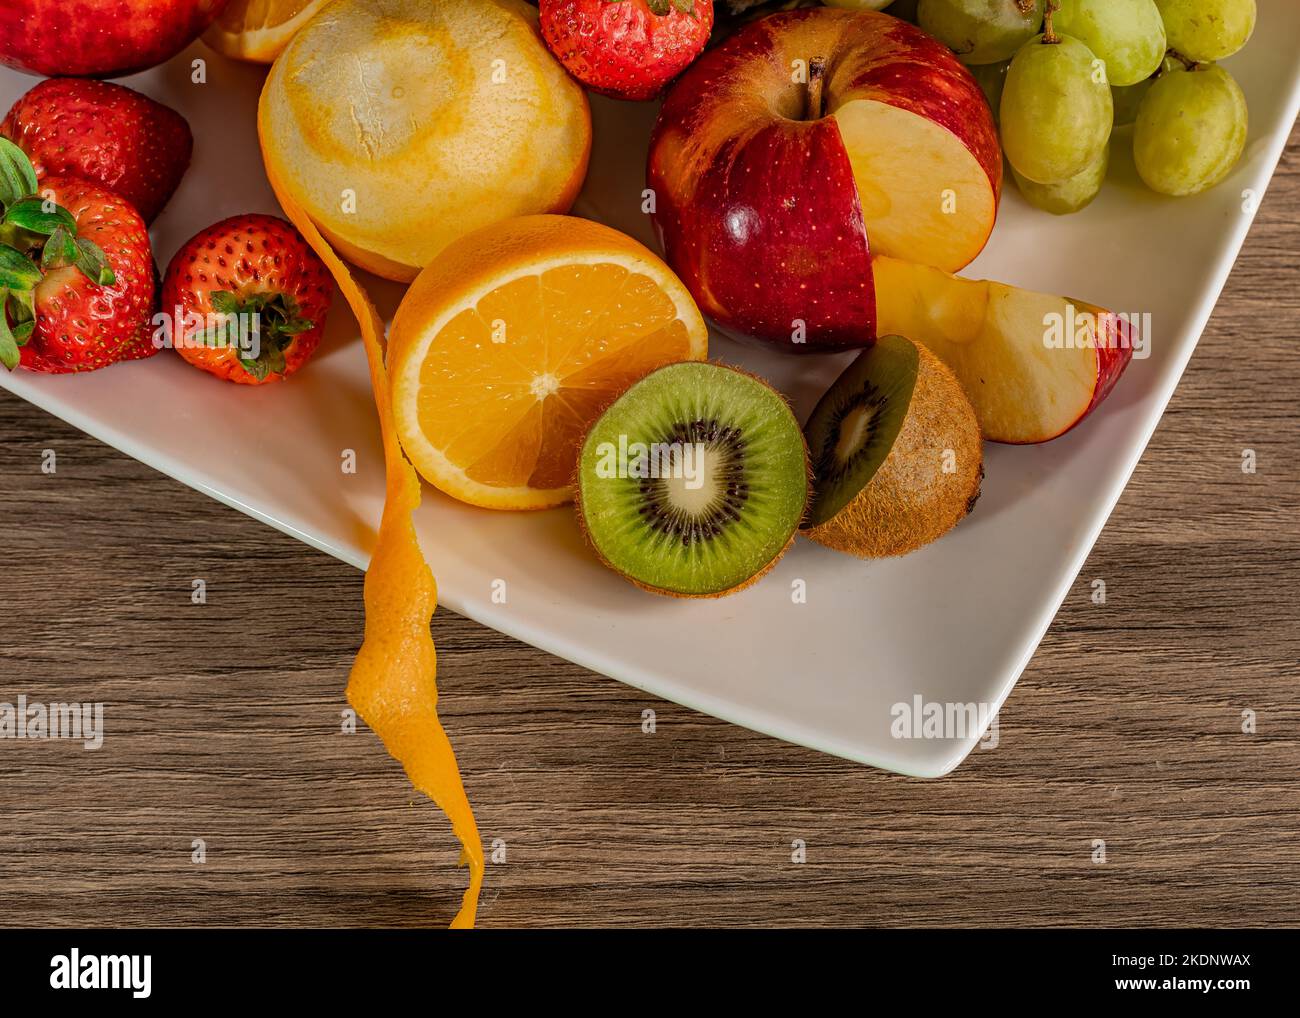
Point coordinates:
pixel 808 141
pixel 99 38
pixel 1032 364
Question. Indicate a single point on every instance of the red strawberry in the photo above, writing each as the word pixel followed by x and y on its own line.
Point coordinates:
pixel 145 344
pixel 247 299
pixel 629 49
pixel 76 272
pixel 105 133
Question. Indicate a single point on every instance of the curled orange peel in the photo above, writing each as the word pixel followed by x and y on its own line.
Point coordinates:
pixel 393 684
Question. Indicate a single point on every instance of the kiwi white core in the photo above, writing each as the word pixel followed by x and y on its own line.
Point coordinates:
pixel 854 430
pixel 694 495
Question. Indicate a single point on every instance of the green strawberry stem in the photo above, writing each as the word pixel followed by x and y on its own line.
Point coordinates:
pixel 37 215
pixel 17 176
pixel 37 236
pixel 9 354
pixel 274 319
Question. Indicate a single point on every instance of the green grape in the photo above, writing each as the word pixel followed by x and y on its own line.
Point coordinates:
pixel 1056 109
pixel 1191 130
pixel 981 31
pixel 1127 99
pixel 991 78
pixel 1205 30
pixel 1069 195
pixel 1127 34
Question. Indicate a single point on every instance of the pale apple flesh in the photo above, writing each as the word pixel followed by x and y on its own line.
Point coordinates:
pixel 1033 365
pixel 921 140
pixel 925 198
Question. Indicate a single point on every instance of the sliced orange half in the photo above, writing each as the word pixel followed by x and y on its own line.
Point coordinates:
pixel 513 340
pixel 257 30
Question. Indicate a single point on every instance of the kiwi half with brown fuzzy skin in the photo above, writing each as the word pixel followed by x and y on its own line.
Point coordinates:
pixel 693 483
pixel 896 453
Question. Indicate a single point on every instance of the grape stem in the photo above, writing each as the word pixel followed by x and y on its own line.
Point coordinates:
pixel 1025 6
pixel 1190 65
pixel 813 98
pixel 1050 38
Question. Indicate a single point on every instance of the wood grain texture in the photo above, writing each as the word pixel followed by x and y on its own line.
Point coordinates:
pixel 224 720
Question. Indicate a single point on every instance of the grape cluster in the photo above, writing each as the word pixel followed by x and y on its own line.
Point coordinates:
pixel 1060 75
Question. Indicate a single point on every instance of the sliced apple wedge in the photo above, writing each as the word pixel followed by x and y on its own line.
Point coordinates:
pixel 925 195
pixel 1033 365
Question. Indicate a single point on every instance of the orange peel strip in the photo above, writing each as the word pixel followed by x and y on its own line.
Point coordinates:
pixel 393 684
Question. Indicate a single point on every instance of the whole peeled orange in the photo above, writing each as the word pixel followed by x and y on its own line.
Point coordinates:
pixel 402 126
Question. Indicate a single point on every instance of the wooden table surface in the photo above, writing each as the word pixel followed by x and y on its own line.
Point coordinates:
pixel 223 720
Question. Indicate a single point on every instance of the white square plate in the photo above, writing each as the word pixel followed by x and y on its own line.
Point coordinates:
pixel 953 623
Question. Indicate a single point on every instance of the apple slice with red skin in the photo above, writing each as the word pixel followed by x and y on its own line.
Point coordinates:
pixel 1033 365
pixel 781 151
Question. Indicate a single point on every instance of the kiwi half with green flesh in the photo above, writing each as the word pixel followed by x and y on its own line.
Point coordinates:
pixel 896 453
pixel 693 482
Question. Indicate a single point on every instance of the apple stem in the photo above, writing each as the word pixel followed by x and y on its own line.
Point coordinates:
pixel 1050 37
pixel 816 79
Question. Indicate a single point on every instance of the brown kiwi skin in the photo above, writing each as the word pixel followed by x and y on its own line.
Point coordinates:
pixel 900 510
pixel 808 489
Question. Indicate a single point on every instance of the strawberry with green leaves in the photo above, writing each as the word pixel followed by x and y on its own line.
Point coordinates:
pixel 247 298
pixel 628 49
pixel 76 272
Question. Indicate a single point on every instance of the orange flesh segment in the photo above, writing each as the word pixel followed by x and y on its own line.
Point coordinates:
pixel 393 684
pixel 509 387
